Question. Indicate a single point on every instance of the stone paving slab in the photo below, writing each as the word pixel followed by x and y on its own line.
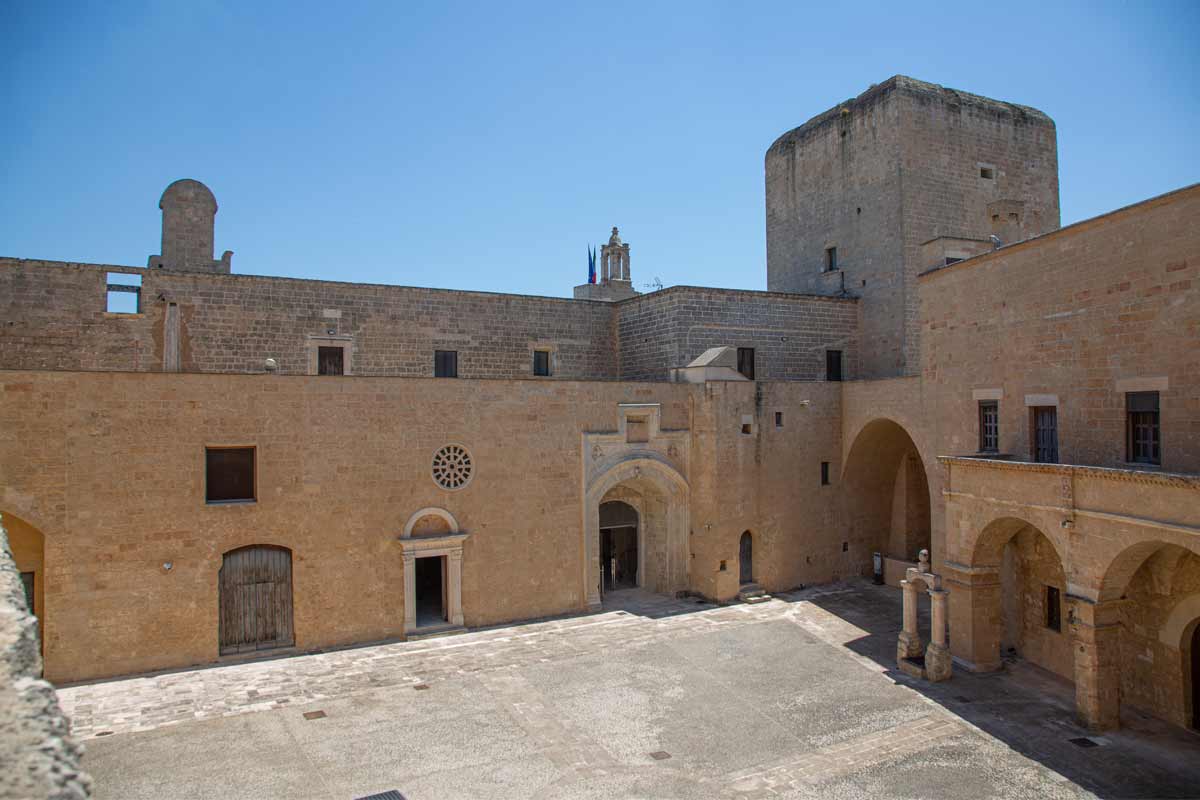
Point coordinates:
pixel 657 698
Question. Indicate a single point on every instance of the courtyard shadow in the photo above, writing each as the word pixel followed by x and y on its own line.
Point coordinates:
pixel 1028 708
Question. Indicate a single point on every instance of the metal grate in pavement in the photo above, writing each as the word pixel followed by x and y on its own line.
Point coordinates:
pixel 1083 741
pixel 390 794
pixel 660 755
pixel 314 715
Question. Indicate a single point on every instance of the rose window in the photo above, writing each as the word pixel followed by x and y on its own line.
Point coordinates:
pixel 452 467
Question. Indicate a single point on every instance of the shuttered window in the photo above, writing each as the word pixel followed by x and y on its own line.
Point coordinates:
pixel 541 362
pixel 445 363
pixel 1141 428
pixel 833 365
pixel 1045 434
pixel 330 361
pixel 229 474
pixel 745 356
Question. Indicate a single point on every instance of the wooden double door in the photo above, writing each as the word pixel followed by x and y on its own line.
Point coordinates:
pixel 256 599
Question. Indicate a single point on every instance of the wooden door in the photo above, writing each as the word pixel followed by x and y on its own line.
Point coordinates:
pixel 746 559
pixel 256 599
pixel 1045 434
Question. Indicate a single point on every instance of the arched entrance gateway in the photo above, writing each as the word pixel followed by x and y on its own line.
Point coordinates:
pixel 636 529
pixel 887 491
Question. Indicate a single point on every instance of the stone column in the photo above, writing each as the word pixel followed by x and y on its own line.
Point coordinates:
pixel 975 616
pixel 1095 640
pixel 604 259
pixel 938 663
pixel 908 644
pixel 454 613
pixel 410 592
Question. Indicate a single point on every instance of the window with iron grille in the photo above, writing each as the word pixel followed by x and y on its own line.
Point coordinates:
pixel 1053 608
pixel 445 363
pixel 989 426
pixel 833 365
pixel 745 362
pixel 1045 434
pixel 541 362
pixel 1142 444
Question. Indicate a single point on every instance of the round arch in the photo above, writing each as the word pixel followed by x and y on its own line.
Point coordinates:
pixel 1121 569
pixel 1180 621
pixel 27 542
pixel 889 499
pixel 432 511
pixel 988 548
pixel 668 529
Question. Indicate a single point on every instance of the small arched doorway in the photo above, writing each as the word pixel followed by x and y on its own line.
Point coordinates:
pixel 619 546
pixel 887 491
pixel 28 548
pixel 255 586
pixel 746 559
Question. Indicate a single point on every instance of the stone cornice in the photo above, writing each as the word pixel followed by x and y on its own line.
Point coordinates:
pixel 1152 477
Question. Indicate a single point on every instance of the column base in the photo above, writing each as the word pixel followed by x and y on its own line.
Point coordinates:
pixel 938 663
pixel 908 645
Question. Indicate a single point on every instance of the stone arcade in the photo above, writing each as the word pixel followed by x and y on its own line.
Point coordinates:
pixel 1025 413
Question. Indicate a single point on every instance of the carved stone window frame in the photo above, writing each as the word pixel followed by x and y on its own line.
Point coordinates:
pixel 315 343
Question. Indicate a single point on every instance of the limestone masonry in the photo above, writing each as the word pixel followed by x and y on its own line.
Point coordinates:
pixel 199 465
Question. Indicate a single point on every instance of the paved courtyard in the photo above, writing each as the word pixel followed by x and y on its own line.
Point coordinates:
pixel 653 698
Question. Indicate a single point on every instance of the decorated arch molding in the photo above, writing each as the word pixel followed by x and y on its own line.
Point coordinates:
pixel 429 512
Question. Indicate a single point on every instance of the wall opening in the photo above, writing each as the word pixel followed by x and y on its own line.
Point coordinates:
pixel 431 591
pixel 124 295
pixel 618 546
pixel 255 588
pixel 746 558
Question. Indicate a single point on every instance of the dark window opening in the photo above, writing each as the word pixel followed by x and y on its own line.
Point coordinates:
pixel 845 547
pixel 987 173
pixel 824 473
pixel 831 262
pixel 833 365
pixel 745 363
pixel 330 361
pixel 228 474
pixel 541 362
pixel 1142 445
pixel 27 579
pixel 1045 434
pixel 951 260
pixel 124 293
pixel 445 363
pixel 989 426
pixel 1053 609
pixel 778 419
pixel 747 428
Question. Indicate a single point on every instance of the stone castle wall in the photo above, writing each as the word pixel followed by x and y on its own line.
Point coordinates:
pixel 789 333
pixel 1087 313
pixel 55 319
pixel 341 466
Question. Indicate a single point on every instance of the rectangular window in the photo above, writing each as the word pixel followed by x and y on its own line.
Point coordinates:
pixel 987 173
pixel 833 365
pixel 831 262
pixel 228 474
pixel 541 362
pixel 330 361
pixel 1045 434
pixel 445 363
pixel 989 426
pixel 1141 428
pixel 1053 609
pixel 746 361
pixel 778 419
pixel 124 293
pixel 824 473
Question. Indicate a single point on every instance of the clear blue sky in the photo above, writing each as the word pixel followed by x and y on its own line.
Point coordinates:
pixel 480 146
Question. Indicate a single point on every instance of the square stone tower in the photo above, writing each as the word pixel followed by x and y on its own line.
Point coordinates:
pixel 860 197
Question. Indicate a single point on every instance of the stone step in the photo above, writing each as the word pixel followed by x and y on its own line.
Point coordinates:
pixel 435 632
pixel 753 593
